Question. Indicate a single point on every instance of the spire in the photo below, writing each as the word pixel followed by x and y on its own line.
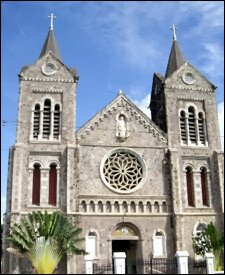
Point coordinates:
pixel 50 42
pixel 175 59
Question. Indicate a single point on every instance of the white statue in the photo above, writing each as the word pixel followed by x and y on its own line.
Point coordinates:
pixel 121 131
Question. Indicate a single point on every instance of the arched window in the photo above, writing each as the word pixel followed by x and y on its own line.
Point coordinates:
pixel 189 181
pixel 36 184
pixel 100 206
pixel 159 244
pixel 116 206
pixel 47 119
pixel 140 207
pixel 92 206
pixel 201 129
pixel 164 207
pixel 191 125
pixel 183 127
pixel 132 207
pixel 148 207
pixel 83 206
pixel 56 121
pixel 124 207
pixel 205 197
pixel 36 121
pixel 91 244
pixel 200 227
pixel 52 185
pixel 156 207
pixel 108 206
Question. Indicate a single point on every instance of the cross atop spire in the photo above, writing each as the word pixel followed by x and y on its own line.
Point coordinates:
pixel 174 28
pixel 51 20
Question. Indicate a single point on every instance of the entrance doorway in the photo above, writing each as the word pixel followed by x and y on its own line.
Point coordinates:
pixel 130 248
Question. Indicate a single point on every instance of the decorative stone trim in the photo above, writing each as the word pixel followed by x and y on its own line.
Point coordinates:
pixel 48 90
pixel 49 79
pixel 189 88
pixel 190 98
pixel 121 206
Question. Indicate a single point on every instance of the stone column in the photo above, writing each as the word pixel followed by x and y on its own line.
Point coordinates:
pixel 209 263
pixel 51 125
pixel 40 136
pixel 44 188
pixel 182 262
pixel 160 208
pixel 32 125
pixel 88 264
pixel 187 129
pixel 119 262
pixel 197 130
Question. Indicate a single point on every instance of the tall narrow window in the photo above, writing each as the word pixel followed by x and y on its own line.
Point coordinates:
pixel 159 244
pixel 47 119
pixel 183 127
pixel 36 184
pixel 36 121
pixel 191 125
pixel 189 180
pixel 56 122
pixel 204 187
pixel 52 185
pixel 201 129
pixel 91 244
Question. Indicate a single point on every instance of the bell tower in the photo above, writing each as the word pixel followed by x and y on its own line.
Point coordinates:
pixel 42 161
pixel 183 105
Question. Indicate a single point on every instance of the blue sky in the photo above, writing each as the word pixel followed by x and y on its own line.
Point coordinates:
pixel 114 45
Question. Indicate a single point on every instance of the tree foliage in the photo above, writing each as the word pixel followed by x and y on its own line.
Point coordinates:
pixel 45 238
pixel 210 240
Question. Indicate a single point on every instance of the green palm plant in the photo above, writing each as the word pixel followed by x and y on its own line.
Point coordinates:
pixel 210 240
pixel 44 238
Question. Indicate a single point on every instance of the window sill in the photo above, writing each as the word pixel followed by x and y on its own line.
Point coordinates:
pixel 45 141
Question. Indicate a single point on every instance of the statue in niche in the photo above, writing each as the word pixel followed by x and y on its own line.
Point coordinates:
pixel 122 128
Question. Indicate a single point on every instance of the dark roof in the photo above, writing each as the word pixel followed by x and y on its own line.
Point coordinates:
pixel 175 59
pixel 50 45
pixel 160 76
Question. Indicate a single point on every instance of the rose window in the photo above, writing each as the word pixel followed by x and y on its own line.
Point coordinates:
pixel 122 171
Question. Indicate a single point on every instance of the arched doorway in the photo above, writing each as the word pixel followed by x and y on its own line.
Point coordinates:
pixel 125 238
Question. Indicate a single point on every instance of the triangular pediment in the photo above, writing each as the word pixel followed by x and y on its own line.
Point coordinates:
pixel 188 78
pixel 142 130
pixel 40 70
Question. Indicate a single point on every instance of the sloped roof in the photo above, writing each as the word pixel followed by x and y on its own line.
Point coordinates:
pixel 175 59
pixel 50 45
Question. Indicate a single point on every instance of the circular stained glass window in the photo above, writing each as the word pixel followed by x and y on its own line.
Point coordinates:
pixel 123 171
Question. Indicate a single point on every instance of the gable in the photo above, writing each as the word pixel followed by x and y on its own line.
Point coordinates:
pixel 40 72
pixel 102 129
pixel 188 78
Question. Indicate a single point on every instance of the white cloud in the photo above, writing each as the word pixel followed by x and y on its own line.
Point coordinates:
pixel 215 59
pixel 143 105
pixel 220 109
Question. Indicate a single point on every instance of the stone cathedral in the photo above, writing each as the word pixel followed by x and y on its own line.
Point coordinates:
pixel 133 184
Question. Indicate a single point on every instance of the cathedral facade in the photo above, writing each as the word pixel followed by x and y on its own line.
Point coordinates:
pixel 133 184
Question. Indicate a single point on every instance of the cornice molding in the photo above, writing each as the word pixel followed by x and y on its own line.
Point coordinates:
pixel 49 79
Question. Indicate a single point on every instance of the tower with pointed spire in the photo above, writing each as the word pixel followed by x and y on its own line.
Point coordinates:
pixel 183 106
pixel 45 138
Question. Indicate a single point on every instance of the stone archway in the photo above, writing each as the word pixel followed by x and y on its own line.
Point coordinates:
pixel 125 238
